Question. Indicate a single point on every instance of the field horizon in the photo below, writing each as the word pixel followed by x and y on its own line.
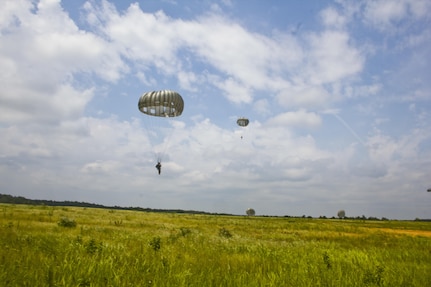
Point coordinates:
pixel 10 199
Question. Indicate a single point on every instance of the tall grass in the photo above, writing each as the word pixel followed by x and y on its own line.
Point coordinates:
pixel 130 248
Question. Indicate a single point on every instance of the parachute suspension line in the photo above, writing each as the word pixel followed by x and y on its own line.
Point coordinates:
pixel 166 142
pixel 150 126
pixel 158 136
pixel 166 136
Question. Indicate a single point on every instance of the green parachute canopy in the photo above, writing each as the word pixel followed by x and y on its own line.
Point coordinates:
pixel 250 212
pixel 242 122
pixel 165 103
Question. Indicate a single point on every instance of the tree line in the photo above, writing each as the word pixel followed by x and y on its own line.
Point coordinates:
pixel 6 198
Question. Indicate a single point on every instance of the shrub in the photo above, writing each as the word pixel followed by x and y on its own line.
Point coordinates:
pixel 185 231
pixel 155 243
pixel 92 246
pixel 118 222
pixel 66 222
pixel 327 260
pixel 223 232
pixel 374 277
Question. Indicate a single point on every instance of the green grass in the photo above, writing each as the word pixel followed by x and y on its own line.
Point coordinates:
pixel 55 246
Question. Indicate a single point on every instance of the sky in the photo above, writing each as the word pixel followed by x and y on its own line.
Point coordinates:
pixel 337 93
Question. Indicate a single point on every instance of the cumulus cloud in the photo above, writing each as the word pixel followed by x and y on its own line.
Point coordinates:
pixel 304 95
pixel 250 61
pixel 262 107
pixel 332 18
pixel 332 57
pixel 299 118
pixel 67 131
pixel 384 14
pixel 41 50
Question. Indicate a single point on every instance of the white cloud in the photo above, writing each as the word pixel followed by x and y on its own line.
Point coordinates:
pixel 40 58
pixel 332 58
pixel 385 14
pixel 22 103
pixel 235 91
pixel 262 107
pixel 250 61
pixel 243 63
pixel 70 142
pixel 304 95
pixel 187 80
pixel 300 118
pixel 332 19
pixel 386 149
pixel 100 167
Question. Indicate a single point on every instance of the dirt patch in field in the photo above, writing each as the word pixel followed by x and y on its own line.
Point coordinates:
pixel 425 233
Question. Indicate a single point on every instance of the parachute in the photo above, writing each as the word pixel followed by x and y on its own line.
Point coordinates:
pixel 159 107
pixel 242 122
pixel 164 103
pixel 250 212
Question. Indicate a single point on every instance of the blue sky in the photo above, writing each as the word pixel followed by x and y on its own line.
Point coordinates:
pixel 338 94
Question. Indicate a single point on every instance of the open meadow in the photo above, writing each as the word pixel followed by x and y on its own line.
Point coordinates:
pixel 73 246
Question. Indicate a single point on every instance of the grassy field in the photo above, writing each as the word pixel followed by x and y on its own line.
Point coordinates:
pixel 71 246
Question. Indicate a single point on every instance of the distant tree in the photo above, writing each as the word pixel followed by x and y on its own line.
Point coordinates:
pixel 341 213
pixel 250 212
